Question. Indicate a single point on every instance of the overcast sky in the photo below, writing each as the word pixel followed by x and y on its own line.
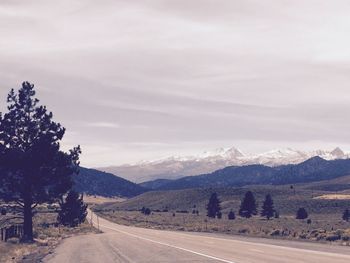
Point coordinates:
pixel 133 80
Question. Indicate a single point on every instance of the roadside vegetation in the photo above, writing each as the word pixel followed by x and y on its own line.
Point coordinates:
pixel 37 204
pixel 261 211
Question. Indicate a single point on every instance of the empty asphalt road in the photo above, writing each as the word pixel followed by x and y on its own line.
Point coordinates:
pixel 130 244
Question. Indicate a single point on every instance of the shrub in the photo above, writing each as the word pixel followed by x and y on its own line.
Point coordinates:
pixel 301 213
pixel 219 215
pixel 147 211
pixel 231 215
pixel 346 215
pixel 3 211
pixel 277 214
pixel 308 221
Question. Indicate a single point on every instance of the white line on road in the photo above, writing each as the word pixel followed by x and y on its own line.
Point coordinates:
pixel 172 246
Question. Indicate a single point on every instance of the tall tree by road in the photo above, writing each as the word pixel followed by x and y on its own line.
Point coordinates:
pixel 213 207
pixel 267 208
pixel 248 206
pixel 34 169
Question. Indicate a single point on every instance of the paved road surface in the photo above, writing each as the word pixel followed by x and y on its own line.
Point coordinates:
pixel 129 244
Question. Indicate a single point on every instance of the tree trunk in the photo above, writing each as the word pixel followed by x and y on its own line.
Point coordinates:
pixel 28 222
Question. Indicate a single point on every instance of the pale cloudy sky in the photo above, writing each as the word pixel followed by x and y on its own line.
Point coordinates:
pixel 134 80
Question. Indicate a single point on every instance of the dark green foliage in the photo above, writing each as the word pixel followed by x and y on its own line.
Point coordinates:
pixel 219 215
pixel 346 215
pixel 248 206
pixel 147 211
pixel 301 213
pixel 94 182
pixel 277 214
pixel 213 207
pixel 267 208
pixel 231 215
pixel 73 210
pixel 3 212
pixel 34 169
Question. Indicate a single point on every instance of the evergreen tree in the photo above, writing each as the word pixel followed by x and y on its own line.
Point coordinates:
pixel 33 168
pixel 73 210
pixel 231 215
pixel 301 213
pixel 213 207
pixel 248 206
pixel 267 208
pixel 346 215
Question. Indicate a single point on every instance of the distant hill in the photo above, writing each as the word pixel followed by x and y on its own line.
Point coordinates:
pixel 286 200
pixel 95 182
pixel 176 167
pixel 155 184
pixel 314 169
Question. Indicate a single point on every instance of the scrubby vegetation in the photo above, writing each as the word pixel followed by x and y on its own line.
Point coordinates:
pixel 323 221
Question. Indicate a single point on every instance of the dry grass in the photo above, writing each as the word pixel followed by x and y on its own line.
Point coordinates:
pixel 46 235
pixel 93 199
pixel 321 228
pixel 334 197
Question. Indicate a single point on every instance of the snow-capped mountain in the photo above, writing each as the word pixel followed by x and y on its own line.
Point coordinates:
pixel 178 166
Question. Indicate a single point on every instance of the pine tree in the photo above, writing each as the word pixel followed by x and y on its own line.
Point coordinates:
pixel 213 207
pixel 73 210
pixel 267 208
pixel 301 213
pixel 248 206
pixel 346 215
pixel 34 169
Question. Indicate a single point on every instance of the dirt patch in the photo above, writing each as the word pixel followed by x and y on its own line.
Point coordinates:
pixel 334 197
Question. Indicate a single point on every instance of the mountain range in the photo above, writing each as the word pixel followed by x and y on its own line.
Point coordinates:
pixel 176 167
pixel 311 170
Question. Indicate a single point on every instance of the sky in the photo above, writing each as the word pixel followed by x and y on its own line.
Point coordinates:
pixel 141 80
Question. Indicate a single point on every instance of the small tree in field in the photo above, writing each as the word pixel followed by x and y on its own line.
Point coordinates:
pixel 73 210
pixel 301 213
pixel 231 215
pixel 267 208
pixel 346 215
pixel 213 207
pixel 33 168
pixel 248 206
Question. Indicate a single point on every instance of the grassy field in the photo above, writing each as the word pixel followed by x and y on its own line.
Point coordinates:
pixel 47 236
pixel 325 213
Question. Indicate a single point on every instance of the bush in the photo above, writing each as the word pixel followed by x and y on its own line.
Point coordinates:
pixel 147 211
pixel 332 238
pixel 231 215
pixel 3 211
pixel 219 215
pixel 309 221
pixel 346 215
pixel 301 213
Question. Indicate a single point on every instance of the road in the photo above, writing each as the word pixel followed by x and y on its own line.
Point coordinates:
pixel 130 244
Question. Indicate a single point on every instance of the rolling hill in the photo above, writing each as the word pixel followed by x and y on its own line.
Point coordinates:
pixel 286 200
pixel 95 182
